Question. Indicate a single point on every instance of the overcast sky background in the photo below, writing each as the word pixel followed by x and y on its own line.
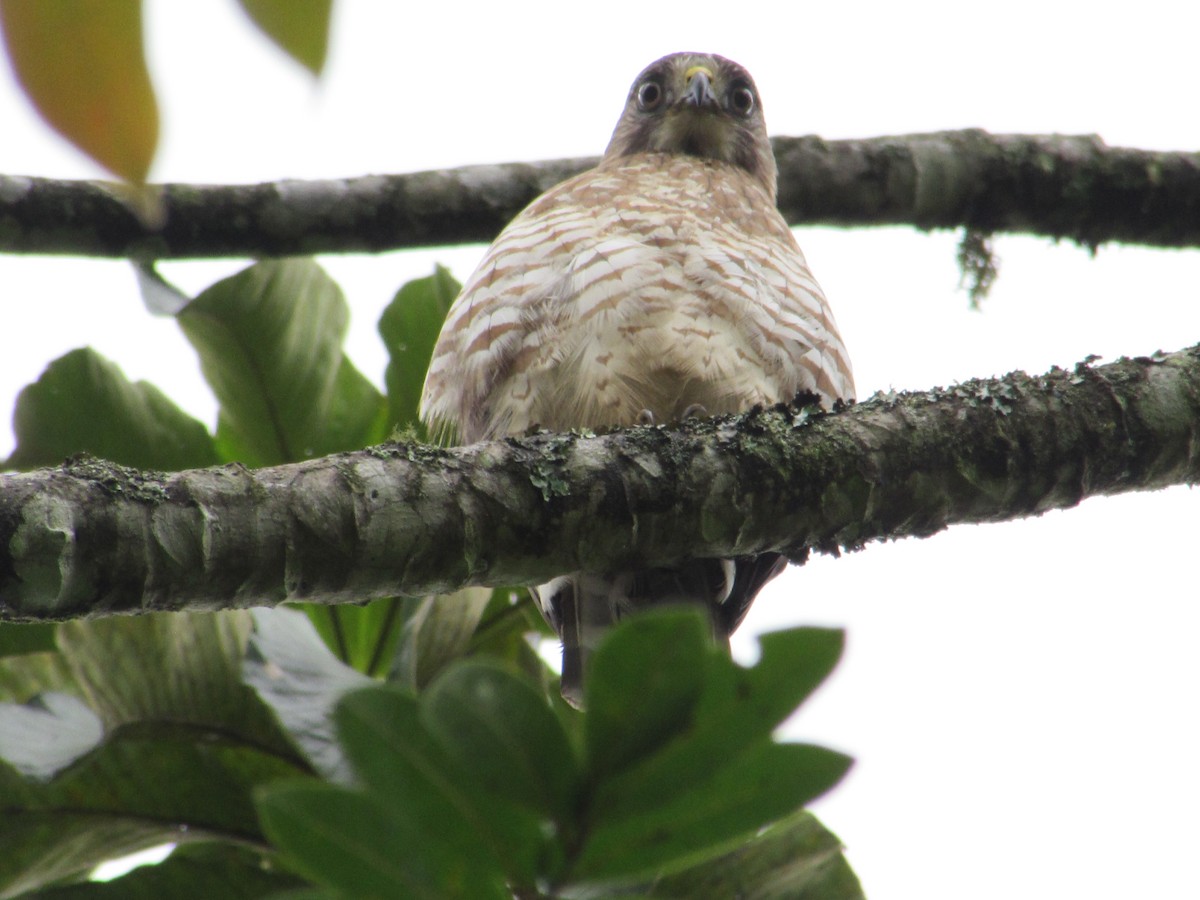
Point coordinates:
pixel 1020 697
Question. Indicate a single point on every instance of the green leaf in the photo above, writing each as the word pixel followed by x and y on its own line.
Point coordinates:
pixel 410 327
pixel 682 764
pixel 364 637
pixel 737 709
pixel 18 638
pixel 29 674
pixel 83 403
pixel 508 630
pixel 436 631
pixel 764 784
pixel 156 784
pixel 294 673
pixel 398 759
pixel 185 743
pixel 798 859
pixel 172 669
pixel 415 796
pixel 270 346
pixel 502 732
pixel 159 296
pixel 792 664
pixel 349 841
pixel 83 65
pixel 644 681
pixel 44 848
pixel 197 872
pixel 453 774
pixel 299 27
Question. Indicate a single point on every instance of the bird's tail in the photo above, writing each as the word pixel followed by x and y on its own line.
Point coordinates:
pixel 583 606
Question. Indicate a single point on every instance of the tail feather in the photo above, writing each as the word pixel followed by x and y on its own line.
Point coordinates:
pixel 581 607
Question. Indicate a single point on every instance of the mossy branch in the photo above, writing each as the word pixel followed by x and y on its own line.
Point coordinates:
pixel 92 538
pixel 1058 186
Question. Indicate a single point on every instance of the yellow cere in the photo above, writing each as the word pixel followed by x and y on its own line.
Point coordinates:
pixel 687 76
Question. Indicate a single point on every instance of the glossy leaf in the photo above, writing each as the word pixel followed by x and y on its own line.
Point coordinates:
pixel 436 631
pixel 792 664
pixel 17 638
pixel 737 709
pixel 364 637
pixel 501 731
pixel 466 838
pixel 398 759
pixel 83 403
pixel 185 744
pixel 349 840
pixel 768 782
pixel 682 765
pixel 409 328
pixel 294 673
pixel 172 669
pixel 270 346
pixel 159 296
pixel 299 27
pixel 163 784
pixel 644 681
pixel 82 64
pixel 508 631
pixel 43 848
pixel 29 674
pixel 428 820
pixel 798 859
pixel 191 872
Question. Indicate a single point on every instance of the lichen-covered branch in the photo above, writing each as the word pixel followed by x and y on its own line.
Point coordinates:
pixel 92 538
pixel 1060 186
pixel 274 219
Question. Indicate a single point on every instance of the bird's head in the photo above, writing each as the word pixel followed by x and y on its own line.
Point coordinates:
pixel 698 104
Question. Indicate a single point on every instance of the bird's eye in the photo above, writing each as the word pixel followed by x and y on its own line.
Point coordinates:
pixel 742 100
pixel 649 95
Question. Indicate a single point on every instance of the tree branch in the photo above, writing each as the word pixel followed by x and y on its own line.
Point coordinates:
pixel 91 538
pixel 1059 186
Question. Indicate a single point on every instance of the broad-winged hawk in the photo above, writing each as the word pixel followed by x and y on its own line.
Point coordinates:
pixel 663 283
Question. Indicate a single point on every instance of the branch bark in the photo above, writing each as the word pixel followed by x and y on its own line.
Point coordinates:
pixel 92 538
pixel 1058 186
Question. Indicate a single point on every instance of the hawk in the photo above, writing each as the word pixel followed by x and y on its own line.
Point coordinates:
pixel 662 284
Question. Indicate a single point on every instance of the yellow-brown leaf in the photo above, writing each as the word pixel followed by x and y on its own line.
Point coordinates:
pixel 300 27
pixel 82 64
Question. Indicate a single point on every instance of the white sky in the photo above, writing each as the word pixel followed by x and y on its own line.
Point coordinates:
pixel 1016 695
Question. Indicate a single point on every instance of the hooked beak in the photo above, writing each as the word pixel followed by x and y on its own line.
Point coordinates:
pixel 698 93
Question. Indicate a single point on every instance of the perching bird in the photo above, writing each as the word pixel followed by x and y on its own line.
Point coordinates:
pixel 663 283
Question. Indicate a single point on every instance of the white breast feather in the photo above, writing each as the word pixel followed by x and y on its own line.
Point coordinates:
pixel 584 315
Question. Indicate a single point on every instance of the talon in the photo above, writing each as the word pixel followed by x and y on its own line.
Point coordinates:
pixel 695 411
pixel 645 417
